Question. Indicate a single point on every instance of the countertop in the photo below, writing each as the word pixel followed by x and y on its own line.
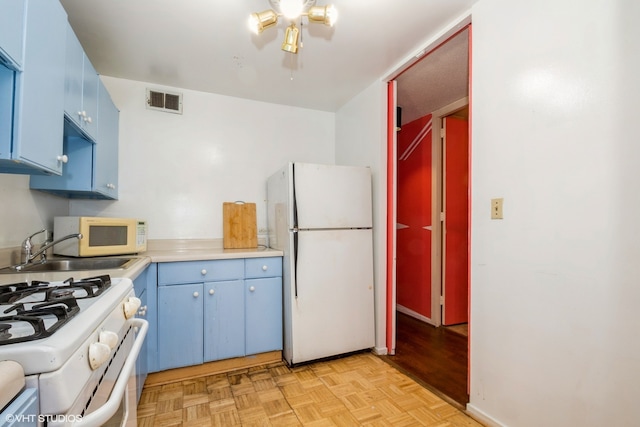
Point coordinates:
pixel 158 251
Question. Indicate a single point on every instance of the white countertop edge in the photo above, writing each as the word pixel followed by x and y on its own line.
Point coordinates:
pixel 157 256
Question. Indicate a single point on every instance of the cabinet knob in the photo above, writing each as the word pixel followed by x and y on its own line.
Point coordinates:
pixel 88 120
pixel 63 158
pixel 211 292
pixel 82 113
pixel 196 294
pixel 252 288
pixel 264 268
pixel 111 186
pixel 203 272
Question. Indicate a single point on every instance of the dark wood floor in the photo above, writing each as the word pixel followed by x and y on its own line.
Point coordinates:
pixel 435 356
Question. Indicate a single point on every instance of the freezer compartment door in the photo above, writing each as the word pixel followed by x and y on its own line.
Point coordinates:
pixel 331 300
pixel 329 196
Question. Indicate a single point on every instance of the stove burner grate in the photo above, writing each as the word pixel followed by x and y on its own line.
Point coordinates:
pixel 32 304
pixel 63 310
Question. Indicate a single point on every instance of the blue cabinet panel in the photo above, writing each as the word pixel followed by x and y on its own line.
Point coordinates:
pixel 7 79
pixel 23 411
pixel 12 25
pixel 152 317
pixel 223 320
pixel 262 267
pixel 223 316
pixel 180 326
pixel 38 103
pixel 142 365
pixel 200 271
pixel 92 168
pixel 106 161
pixel 81 88
pixel 263 301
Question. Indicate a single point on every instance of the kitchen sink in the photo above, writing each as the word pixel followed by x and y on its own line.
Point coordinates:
pixel 73 264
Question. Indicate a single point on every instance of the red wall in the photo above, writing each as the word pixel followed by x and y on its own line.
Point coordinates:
pixel 413 250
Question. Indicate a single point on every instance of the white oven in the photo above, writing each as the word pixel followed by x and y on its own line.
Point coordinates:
pixel 84 369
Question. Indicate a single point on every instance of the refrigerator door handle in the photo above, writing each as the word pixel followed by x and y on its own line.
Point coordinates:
pixel 295 262
pixel 295 205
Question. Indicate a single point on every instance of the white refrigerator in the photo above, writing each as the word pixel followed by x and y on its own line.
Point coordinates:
pixel 320 216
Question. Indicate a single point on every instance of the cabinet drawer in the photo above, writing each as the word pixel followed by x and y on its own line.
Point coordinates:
pixel 173 273
pixel 262 267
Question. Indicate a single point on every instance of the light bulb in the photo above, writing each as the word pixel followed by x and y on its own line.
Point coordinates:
pixel 291 8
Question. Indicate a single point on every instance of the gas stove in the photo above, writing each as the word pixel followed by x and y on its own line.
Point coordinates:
pixel 38 309
pixel 77 341
pixel 43 323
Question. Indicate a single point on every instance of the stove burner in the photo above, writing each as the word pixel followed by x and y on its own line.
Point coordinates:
pixel 62 311
pixel 31 304
pixel 4 331
pixel 58 293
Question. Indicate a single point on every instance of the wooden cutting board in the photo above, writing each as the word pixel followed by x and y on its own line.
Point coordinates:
pixel 240 230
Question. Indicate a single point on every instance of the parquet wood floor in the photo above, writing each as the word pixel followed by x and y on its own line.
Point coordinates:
pixel 436 357
pixel 358 390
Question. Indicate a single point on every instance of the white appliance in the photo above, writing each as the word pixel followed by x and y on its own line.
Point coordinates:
pixel 320 217
pixel 100 236
pixel 77 342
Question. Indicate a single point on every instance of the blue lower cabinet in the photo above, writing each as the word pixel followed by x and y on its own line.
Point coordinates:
pixel 263 310
pixel 224 316
pixel 180 326
pixel 223 320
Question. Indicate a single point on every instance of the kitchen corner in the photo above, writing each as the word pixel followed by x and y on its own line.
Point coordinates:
pixel 192 301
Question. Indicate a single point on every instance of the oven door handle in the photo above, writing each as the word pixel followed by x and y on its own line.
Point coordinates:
pixel 106 411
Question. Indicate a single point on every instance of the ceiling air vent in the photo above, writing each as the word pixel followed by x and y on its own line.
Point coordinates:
pixel 164 101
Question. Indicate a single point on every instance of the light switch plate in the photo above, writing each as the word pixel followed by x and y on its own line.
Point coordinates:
pixel 496 208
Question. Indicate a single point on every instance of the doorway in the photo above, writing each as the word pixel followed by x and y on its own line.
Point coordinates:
pixel 432 214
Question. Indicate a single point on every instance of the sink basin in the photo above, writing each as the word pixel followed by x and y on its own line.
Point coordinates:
pixel 74 264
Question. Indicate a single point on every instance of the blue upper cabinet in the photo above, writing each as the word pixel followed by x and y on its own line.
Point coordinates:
pixel 12 32
pixel 35 145
pixel 106 161
pixel 81 88
pixel 92 168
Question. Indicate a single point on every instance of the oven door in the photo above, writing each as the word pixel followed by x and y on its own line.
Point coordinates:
pixel 114 400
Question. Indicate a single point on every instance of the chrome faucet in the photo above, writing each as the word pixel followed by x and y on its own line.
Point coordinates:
pixel 49 244
pixel 27 246
pixel 41 252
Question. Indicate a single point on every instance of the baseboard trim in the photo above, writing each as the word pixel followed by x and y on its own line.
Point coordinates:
pixel 414 314
pixel 483 417
pixel 212 368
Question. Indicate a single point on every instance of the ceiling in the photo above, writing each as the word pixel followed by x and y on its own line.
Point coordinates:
pixel 205 45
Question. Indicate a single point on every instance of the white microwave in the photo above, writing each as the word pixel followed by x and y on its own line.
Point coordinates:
pixel 100 236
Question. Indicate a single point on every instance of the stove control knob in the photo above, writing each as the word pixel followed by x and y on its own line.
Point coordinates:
pixel 109 338
pixel 98 354
pixel 131 306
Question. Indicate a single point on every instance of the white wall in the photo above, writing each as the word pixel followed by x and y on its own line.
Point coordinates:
pixel 177 170
pixel 361 141
pixel 24 211
pixel 555 291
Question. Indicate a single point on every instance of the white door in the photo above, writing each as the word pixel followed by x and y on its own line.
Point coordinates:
pixel 329 196
pixel 332 300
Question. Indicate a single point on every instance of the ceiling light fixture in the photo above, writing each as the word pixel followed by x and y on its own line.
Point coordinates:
pixel 292 10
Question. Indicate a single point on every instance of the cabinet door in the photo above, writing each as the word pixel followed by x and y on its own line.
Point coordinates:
pixel 73 78
pixel 263 306
pixel 106 149
pixel 180 326
pixel 39 104
pixel 90 83
pixel 141 363
pixel 12 13
pixel 140 286
pixel 223 320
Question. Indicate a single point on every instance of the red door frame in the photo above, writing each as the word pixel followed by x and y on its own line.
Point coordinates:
pixel 390 232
